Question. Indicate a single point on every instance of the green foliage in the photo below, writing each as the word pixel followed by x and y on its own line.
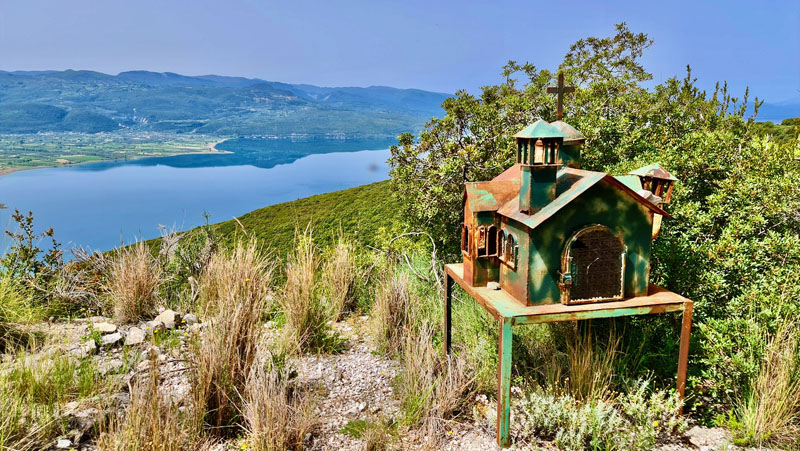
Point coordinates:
pixel 732 245
pixel 23 260
pixel 474 140
pixel 632 421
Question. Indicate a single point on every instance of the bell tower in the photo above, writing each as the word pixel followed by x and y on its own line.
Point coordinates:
pixel 538 148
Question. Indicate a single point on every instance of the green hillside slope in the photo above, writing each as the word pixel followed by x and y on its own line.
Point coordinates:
pixel 362 211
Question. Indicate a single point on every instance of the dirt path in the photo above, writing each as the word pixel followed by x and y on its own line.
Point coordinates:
pixel 353 385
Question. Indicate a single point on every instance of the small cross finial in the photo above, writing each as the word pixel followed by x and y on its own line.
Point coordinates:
pixel 560 90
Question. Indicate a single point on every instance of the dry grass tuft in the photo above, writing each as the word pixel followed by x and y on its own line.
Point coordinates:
pixel 134 282
pixel 433 387
pixel 244 274
pixel 152 423
pixel 586 371
pixel 225 352
pixel 591 366
pixel 277 415
pixel 339 276
pixel 391 312
pixel 770 414
pixel 306 316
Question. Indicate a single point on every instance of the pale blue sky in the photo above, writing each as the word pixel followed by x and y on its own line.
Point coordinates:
pixel 435 45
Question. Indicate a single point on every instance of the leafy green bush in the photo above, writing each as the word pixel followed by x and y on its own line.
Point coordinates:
pixel 630 421
pixel 733 245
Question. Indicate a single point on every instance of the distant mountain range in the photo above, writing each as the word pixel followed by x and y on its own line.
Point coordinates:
pixel 776 112
pixel 90 102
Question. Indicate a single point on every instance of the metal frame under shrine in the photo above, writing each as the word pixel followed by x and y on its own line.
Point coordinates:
pixel 510 312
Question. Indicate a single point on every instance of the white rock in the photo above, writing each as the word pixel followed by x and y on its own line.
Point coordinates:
pixel 109 366
pixel 169 318
pixel 151 352
pixel 134 337
pixel 111 339
pixel 153 326
pixel 493 286
pixel 190 319
pixel 104 327
pixel 63 444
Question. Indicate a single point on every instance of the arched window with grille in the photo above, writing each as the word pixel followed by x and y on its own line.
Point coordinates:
pixel 464 238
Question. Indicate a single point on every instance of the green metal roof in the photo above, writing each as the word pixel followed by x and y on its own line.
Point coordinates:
pixel 653 170
pixel 572 183
pixel 572 135
pixel 540 129
pixel 631 181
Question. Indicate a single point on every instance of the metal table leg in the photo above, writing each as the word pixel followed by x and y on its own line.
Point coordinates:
pixel 683 357
pixel 448 302
pixel 504 384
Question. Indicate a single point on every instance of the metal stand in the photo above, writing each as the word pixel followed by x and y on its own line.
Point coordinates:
pixel 511 312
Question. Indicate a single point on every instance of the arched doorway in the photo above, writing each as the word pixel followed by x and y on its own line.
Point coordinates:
pixel 593 266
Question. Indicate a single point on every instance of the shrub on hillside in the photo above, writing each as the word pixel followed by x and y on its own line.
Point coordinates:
pixel 632 421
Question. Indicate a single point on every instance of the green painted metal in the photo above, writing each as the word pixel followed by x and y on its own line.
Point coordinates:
pixel 504 384
pixel 540 129
pixel 538 187
pixel 653 170
pixel 631 181
pixel 480 198
pixel 601 204
pixel 596 314
pixel 571 134
pixel 570 155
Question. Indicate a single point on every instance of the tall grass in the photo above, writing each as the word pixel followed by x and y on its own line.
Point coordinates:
pixel 24 425
pixel 339 276
pixel 590 365
pixel 277 414
pixel 33 393
pixel 392 311
pixel 152 423
pixel 15 307
pixel 245 274
pixel 770 412
pixel 307 317
pixel 433 387
pixel 225 352
pixel 134 282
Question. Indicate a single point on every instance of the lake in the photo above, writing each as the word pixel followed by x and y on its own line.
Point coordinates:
pixel 102 205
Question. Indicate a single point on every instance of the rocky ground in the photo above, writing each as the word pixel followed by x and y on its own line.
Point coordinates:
pixel 351 387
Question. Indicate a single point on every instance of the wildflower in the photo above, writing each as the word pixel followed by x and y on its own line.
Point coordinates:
pixel 160 309
pixel 655 423
pixel 247 279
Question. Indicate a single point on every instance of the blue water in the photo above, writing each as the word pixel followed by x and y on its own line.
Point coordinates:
pixel 101 205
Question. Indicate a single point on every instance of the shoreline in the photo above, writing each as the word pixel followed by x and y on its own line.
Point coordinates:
pixel 212 148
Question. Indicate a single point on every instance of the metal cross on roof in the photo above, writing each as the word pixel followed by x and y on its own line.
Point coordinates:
pixel 560 90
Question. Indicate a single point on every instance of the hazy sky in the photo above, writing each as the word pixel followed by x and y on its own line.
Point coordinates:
pixel 435 45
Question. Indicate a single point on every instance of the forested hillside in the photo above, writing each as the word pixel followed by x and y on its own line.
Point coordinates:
pixel 90 102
